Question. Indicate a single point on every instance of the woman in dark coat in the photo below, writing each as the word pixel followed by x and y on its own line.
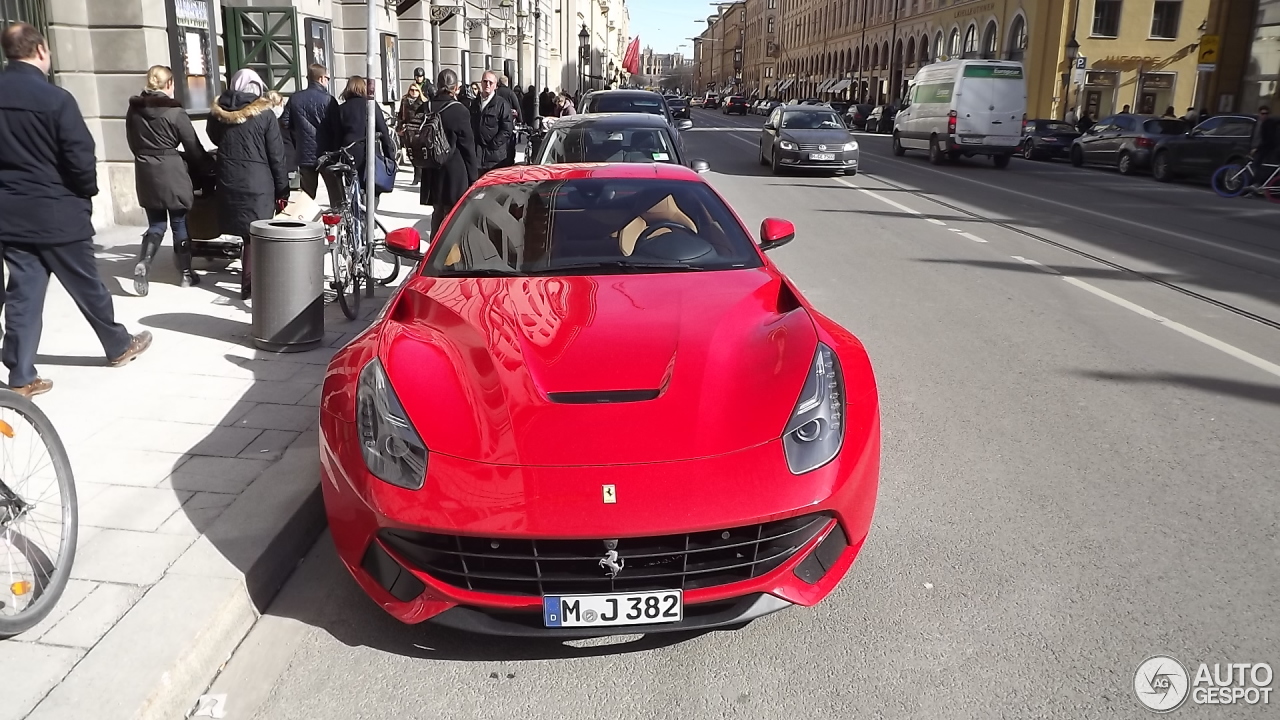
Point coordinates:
pixel 156 126
pixel 353 119
pixel 443 187
pixel 253 180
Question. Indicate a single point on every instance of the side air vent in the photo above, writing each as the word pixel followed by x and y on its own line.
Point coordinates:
pixel 607 396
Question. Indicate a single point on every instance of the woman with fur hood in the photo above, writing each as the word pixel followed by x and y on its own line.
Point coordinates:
pixel 253 178
pixel 156 125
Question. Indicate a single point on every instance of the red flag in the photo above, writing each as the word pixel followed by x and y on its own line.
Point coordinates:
pixel 631 60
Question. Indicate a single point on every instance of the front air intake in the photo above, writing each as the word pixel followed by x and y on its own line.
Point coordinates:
pixel 602 397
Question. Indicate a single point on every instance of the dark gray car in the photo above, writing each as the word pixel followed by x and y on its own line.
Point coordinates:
pixel 808 136
pixel 1125 142
pixel 612 137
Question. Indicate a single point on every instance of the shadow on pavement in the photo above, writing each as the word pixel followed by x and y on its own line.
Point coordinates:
pixel 1255 392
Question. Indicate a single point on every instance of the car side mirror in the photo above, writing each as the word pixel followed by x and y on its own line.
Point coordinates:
pixel 700 166
pixel 776 232
pixel 405 243
pixel 684 125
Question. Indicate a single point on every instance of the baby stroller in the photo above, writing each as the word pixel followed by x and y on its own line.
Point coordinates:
pixel 206 232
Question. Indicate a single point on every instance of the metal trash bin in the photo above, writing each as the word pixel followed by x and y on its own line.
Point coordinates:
pixel 287 258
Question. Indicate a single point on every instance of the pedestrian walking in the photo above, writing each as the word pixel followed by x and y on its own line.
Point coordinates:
pixel 310 118
pixel 444 186
pixel 353 123
pixel 253 183
pixel 547 103
pixel 491 120
pixel 48 177
pixel 1168 113
pixel 156 126
pixel 564 106
pixel 1070 117
pixel 1192 116
pixel 529 108
pixel 506 93
pixel 1125 110
pixel 411 104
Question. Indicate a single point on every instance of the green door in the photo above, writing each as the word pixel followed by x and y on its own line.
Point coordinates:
pixel 265 40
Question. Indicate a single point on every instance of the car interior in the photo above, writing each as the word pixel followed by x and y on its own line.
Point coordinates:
pixel 576 145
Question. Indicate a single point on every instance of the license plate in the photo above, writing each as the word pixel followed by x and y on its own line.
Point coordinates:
pixel 1002 140
pixel 643 608
pixel 822 156
pixel 970 141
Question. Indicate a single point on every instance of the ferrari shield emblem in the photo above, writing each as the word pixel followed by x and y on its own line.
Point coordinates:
pixel 610 494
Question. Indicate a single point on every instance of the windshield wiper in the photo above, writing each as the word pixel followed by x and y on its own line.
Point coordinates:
pixel 479 272
pixel 615 265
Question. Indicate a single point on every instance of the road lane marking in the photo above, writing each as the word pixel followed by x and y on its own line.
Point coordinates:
pixel 881 198
pixel 1039 266
pixel 972 237
pixel 936 221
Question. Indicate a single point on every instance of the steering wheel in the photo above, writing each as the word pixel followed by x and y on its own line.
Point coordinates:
pixel 648 234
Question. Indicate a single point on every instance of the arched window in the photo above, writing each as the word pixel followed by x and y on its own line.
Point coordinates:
pixel 939 48
pixel 857 60
pixel 971 42
pixel 875 58
pixel 884 56
pixel 924 49
pixel 911 51
pixel 953 44
pixel 989 46
pixel 1018 39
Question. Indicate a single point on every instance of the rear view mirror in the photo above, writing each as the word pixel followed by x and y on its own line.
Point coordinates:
pixel 684 125
pixel 405 243
pixel 776 232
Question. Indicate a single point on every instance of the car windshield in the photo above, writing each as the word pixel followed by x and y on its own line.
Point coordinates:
pixel 592 144
pixel 799 120
pixel 1057 127
pixel 590 226
pixel 1165 127
pixel 626 104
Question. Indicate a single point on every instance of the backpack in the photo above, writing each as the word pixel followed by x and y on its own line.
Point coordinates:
pixel 429 146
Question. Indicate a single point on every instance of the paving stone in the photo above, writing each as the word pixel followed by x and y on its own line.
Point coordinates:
pixel 270 445
pixel 225 442
pixel 216 474
pixel 270 391
pixel 122 466
pixel 313 398
pixel 30 670
pixel 125 556
pixel 75 591
pixel 270 416
pixel 132 508
pixel 197 514
pixel 93 617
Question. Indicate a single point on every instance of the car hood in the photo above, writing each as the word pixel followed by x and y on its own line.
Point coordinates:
pixel 825 137
pixel 560 371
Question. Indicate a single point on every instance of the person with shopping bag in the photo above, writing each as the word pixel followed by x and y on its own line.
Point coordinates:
pixel 156 126
pixel 353 119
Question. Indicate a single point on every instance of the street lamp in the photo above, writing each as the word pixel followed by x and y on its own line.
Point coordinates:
pixel 584 53
pixel 1072 51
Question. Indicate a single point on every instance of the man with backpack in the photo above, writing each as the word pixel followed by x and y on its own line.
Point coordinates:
pixel 443 145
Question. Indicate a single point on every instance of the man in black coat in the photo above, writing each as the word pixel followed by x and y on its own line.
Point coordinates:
pixel 529 105
pixel 311 119
pixel 444 186
pixel 492 121
pixel 506 93
pixel 47 179
pixel 547 103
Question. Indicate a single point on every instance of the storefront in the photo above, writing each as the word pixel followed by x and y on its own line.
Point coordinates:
pixel 1156 93
pixel 192 42
pixel 1098 99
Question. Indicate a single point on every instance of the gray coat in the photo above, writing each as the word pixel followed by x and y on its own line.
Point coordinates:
pixel 156 126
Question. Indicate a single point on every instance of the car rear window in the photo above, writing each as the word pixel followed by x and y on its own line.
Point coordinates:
pixel 1165 127
pixel 1055 127
pixel 590 226
pixel 623 104
pixel 589 144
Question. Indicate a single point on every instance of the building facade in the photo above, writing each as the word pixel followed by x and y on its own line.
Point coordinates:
pixel 719 50
pixel 761 48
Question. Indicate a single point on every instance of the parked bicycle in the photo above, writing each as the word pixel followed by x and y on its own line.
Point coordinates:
pixel 1237 179
pixel 38 515
pixel 351 255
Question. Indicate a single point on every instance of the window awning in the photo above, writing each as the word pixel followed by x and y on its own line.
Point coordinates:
pixel 841 86
pixel 826 85
pixel 786 84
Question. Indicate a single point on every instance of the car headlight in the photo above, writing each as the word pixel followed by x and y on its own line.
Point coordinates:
pixel 816 430
pixel 786 145
pixel 851 146
pixel 391 447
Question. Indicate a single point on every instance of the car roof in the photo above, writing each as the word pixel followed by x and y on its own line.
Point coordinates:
pixel 639 120
pixel 813 108
pixel 579 171
pixel 637 93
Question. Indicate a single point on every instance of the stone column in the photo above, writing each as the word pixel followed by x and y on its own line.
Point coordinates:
pixel 415 44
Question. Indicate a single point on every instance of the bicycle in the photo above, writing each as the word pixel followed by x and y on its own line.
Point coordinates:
pixel 37 511
pixel 1235 180
pixel 351 255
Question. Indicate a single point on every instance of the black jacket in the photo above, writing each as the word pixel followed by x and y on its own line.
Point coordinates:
pixel 529 105
pixel 1266 140
pixel 444 187
pixel 513 100
pixel 48 171
pixel 494 130
pixel 311 116
pixel 547 104
pixel 251 162
pixel 353 119
pixel 156 126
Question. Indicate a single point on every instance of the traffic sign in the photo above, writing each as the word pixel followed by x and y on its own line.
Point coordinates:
pixel 1209 50
pixel 1082 62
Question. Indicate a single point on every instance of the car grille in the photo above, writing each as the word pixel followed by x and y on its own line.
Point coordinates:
pixel 555 567
pixel 814 147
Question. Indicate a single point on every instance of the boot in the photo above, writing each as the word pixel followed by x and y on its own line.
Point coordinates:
pixel 182 259
pixel 150 244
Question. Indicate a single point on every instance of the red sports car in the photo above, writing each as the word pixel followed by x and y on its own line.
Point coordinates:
pixel 595 408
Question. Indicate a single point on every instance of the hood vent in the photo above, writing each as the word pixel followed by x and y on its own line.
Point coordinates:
pixel 601 397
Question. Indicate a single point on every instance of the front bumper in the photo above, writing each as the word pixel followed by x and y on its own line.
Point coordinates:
pixel 844 161
pixel 474 499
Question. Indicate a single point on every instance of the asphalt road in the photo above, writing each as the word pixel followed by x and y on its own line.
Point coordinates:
pixel 1080 381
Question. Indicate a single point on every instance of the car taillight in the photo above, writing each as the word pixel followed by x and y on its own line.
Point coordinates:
pixel 331 219
pixel 1145 142
pixel 951 123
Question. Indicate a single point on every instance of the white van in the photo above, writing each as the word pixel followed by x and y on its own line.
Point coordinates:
pixel 963 108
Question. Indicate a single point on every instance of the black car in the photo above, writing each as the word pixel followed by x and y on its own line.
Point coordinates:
pixel 1043 139
pixel 679 108
pixel 735 104
pixel 809 137
pixel 856 116
pixel 1125 141
pixel 612 137
pixel 1205 148
pixel 840 106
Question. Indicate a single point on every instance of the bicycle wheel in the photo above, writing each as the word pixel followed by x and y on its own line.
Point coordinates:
pixel 1231 180
pixel 386 265
pixel 38 516
pixel 345 263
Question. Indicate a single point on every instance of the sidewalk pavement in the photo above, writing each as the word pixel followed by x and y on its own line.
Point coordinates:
pixel 198 476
